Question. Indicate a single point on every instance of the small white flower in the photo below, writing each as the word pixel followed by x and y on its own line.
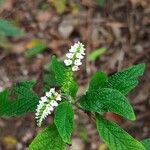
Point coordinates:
pixel 50 108
pixel 44 99
pixel 58 98
pixel 52 90
pixel 69 55
pixel 68 62
pixel 82 52
pixel 79 55
pixel 55 94
pixel 39 107
pixel 75 68
pixel 72 49
pixel 48 94
pixel 77 62
pixel 54 103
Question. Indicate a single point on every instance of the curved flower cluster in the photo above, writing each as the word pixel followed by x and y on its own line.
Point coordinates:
pixel 47 105
pixel 75 55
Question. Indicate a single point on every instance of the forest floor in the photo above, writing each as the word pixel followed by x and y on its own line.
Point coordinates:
pixel 121 27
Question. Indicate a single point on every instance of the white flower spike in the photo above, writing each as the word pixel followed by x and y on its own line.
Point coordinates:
pixel 75 55
pixel 47 105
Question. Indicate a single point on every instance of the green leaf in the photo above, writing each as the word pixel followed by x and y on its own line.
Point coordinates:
pixel 59 70
pixel 107 100
pixel 26 100
pixel 38 47
pixel 64 77
pixel 64 121
pixel 49 80
pixel 48 139
pixel 49 77
pixel 126 80
pixel 115 137
pixel 96 53
pixel 146 143
pixel 8 29
pixel 98 80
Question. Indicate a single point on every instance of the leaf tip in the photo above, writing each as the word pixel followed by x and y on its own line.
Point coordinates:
pixel 142 67
pixel 68 141
pixel 131 115
pixel 133 118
